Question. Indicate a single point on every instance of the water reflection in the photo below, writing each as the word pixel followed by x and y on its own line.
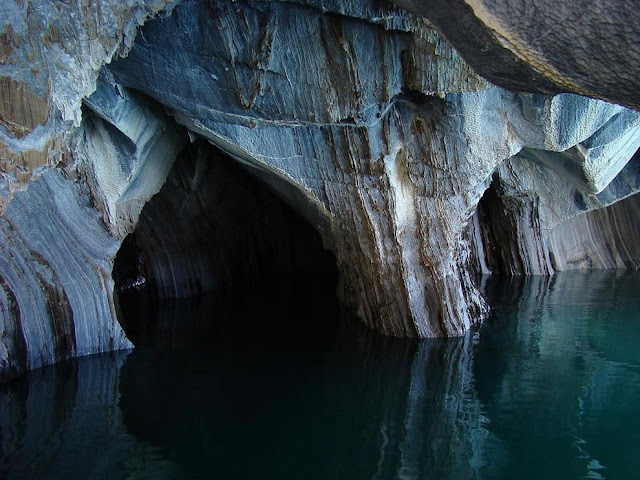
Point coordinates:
pixel 558 371
pixel 548 388
pixel 64 422
pixel 364 407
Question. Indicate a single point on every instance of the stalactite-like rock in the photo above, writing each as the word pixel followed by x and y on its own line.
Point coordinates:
pixel 125 147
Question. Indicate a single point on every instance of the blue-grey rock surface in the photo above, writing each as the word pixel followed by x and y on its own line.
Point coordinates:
pixel 529 223
pixel 359 114
pixel 55 285
pixel 545 46
pixel 50 56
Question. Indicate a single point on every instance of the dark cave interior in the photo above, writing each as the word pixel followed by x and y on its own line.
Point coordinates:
pixel 215 249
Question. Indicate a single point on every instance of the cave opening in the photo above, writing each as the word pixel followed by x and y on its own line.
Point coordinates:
pixel 216 252
pixel 493 233
pixel 514 234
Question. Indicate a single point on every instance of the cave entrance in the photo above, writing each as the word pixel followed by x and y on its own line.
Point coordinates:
pixel 496 231
pixel 215 251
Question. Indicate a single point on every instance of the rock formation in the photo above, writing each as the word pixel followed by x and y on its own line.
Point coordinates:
pixel 529 223
pixel 215 228
pixel 358 114
pixel 545 46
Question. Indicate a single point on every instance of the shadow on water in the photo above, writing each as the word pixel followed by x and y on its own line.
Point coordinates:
pixel 547 388
pixel 350 408
pixel 63 421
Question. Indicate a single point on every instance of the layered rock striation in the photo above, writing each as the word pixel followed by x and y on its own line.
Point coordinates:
pixel 213 227
pixel 51 54
pixel 532 222
pixel 390 168
pixel 360 115
pixel 60 235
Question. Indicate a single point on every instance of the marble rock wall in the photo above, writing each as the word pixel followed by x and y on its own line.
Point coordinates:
pixel 51 53
pixel 60 235
pixel 359 114
pixel 532 221
pixel 387 158
pixel 545 46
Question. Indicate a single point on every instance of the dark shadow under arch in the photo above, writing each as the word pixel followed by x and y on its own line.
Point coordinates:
pixel 216 242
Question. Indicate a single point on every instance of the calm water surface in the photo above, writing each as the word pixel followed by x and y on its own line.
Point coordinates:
pixel 549 387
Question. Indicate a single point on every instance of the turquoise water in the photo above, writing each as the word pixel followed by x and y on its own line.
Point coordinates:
pixel 549 387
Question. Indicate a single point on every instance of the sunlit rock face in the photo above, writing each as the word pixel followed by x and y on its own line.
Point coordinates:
pixel 360 115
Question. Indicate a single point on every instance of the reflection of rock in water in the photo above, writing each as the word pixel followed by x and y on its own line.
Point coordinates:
pixel 306 307
pixel 554 376
pixel 443 432
pixel 63 422
pixel 359 406
pixel 558 361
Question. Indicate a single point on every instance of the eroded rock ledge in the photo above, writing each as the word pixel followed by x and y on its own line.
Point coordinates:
pixel 545 46
pixel 358 114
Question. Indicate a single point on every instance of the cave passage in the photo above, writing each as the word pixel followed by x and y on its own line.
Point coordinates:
pixel 214 251
pixel 515 234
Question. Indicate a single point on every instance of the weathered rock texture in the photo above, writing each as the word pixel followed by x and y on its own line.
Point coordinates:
pixel 54 274
pixel 604 238
pixel 358 114
pixel 545 46
pixel 386 168
pixel 50 57
pixel 59 237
